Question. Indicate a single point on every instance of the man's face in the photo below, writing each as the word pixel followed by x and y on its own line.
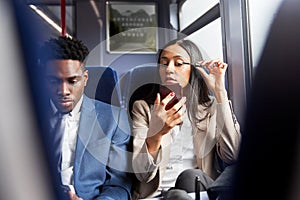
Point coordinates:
pixel 66 80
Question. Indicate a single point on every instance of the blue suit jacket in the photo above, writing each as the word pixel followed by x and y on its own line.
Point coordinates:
pixel 101 156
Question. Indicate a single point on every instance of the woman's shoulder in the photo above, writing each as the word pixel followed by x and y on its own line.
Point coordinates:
pixel 140 102
pixel 207 105
pixel 206 109
pixel 140 110
pixel 140 105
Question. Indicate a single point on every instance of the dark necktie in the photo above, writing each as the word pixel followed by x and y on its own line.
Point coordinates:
pixel 56 139
pixel 57 136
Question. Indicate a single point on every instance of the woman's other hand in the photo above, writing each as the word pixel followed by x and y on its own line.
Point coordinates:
pixel 215 78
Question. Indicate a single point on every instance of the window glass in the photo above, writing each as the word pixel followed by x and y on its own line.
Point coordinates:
pixel 193 9
pixel 261 15
pixel 209 39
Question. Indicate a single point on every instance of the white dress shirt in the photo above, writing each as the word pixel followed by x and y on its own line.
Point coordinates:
pixel 182 154
pixel 69 145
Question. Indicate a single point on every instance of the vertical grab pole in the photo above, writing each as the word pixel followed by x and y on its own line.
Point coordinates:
pixel 197 188
pixel 63 16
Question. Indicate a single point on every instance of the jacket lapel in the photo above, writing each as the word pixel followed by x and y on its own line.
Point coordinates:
pixel 90 138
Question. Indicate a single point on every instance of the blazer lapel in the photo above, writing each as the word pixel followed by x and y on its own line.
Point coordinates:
pixel 90 136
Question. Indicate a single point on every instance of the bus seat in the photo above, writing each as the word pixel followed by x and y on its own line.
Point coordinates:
pixel 135 78
pixel 103 85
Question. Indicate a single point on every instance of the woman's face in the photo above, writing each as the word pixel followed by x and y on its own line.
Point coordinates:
pixel 171 69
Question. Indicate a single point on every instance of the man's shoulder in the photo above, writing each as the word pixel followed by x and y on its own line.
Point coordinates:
pixel 103 110
pixel 101 106
pixel 93 103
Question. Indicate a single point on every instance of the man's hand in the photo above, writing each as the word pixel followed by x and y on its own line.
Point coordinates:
pixel 73 196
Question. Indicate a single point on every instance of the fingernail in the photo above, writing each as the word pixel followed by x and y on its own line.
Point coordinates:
pixel 172 94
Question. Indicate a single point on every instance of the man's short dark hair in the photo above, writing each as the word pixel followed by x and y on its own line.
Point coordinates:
pixel 63 47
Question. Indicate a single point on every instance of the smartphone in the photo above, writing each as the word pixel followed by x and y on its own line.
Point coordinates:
pixel 166 89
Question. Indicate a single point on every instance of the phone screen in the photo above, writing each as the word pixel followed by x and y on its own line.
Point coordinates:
pixel 166 89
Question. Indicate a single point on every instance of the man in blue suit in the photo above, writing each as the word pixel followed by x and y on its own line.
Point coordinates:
pixel 88 139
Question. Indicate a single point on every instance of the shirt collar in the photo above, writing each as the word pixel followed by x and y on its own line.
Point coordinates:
pixel 76 109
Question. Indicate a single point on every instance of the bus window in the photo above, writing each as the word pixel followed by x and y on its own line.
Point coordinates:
pixel 260 21
pixel 207 31
pixel 193 9
pixel 209 39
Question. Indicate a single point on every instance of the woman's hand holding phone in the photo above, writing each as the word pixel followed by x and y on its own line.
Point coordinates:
pixel 169 107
